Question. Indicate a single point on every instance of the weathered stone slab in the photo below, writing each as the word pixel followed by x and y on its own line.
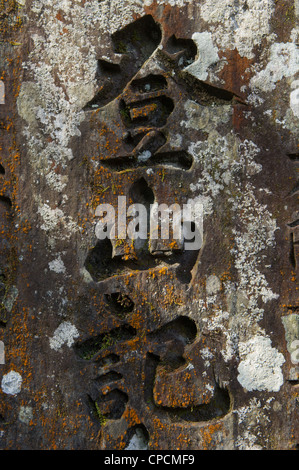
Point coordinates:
pixel 162 340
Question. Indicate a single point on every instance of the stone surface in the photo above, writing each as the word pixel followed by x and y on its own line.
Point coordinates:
pixel 131 344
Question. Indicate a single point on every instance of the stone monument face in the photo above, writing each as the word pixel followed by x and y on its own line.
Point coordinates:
pixel 149 225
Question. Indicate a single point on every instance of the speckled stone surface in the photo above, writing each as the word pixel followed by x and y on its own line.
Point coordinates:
pixel 115 344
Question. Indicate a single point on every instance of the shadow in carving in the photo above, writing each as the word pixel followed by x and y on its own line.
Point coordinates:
pixel 180 160
pixel 108 378
pixel 93 346
pixel 112 257
pixel 110 406
pixel 134 44
pixel 141 435
pixel 120 304
pixel 184 51
pixel 107 361
pixel 150 83
pixel 168 348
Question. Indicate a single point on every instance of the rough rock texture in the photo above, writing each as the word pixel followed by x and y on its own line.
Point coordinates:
pixel 114 345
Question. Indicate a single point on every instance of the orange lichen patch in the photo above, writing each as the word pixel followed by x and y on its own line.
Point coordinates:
pixel 131 416
pixel 227 275
pixel 107 440
pixel 18 354
pixel 174 245
pixel 10 21
pixel 142 112
pixel 180 389
pixel 132 344
pixel 184 441
pixel 137 321
pixel 208 435
pixel 129 250
pixel 160 428
pixel 53 422
pixel 170 297
pixel 108 138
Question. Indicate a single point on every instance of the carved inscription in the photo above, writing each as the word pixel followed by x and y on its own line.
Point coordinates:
pixel 143 102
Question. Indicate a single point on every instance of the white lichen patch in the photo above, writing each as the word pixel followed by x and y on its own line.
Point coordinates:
pixel 55 181
pixel 10 297
pixel 114 15
pixel 175 141
pixel 283 63
pixel 203 117
pixel 282 68
pixel 247 441
pixel 207 55
pixel 57 266
pixel 232 345
pixel 173 3
pixel 66 333
pixel 255 236
pixel 291 326
pixel 253 413
pixel 55 223
pixel 217 321
pixel 294 102
pixel 11 383
pixel 260 368
pixel 238 25
pixel 224 161
pixel 26 414
pixel 206 355
pixel 213 285
pixel 144 156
